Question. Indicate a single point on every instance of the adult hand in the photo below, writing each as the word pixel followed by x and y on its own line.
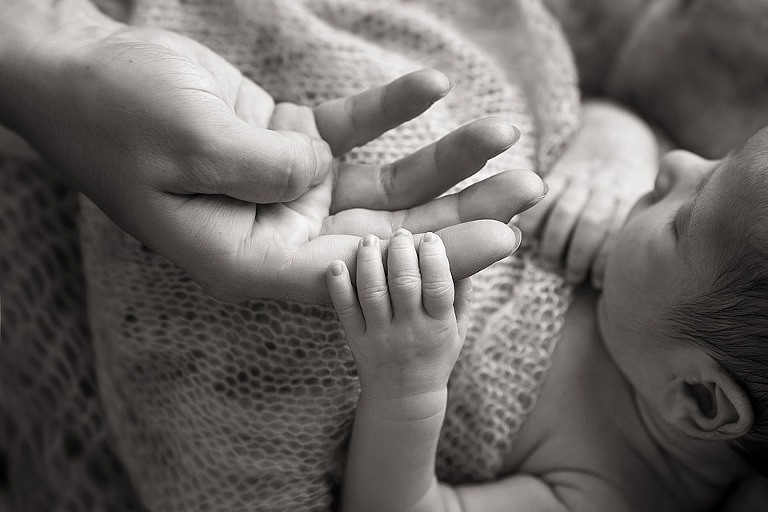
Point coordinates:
pixel 311 233
pixel 611 162
pixel 174 145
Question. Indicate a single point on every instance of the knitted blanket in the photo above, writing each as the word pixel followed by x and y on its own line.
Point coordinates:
pixel 159 396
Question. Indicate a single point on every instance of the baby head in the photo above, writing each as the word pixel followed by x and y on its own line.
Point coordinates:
pixel 684 311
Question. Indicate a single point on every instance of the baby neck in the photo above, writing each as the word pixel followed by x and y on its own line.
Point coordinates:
pixel 695 471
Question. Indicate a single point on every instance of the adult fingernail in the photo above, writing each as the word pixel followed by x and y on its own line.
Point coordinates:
pixel 449 86
pixel 370 240
pixel 337 267
pixel 324 160
pixel 518 237
pixel 533 202
pixel 518 134
pixel 513 139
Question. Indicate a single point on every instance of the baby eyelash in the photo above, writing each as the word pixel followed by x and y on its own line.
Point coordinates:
pixel 673 222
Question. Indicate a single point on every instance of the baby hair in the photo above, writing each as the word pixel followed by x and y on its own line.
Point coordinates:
pixel 730 319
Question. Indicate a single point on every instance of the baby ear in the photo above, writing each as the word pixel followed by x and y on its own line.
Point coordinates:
pixel 710 406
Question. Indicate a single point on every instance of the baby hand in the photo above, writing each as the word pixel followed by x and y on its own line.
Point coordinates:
pixel 406 325
pixel 611 163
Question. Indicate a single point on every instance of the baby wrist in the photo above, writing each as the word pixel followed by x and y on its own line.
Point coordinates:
pixel 411 407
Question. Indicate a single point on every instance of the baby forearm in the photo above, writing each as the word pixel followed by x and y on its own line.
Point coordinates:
pixel 391 459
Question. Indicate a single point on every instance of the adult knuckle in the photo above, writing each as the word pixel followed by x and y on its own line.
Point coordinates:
pixel 298 168
pixel 388 182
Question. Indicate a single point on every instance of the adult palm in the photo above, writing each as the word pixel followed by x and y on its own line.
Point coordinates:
pixel 329 220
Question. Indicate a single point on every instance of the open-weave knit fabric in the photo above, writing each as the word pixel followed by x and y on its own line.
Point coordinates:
pixel 169 397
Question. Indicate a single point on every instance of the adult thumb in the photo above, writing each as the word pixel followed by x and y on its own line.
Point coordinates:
pixel 264 166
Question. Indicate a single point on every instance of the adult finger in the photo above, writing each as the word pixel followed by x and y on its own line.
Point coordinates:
pixel 253 104
pixel 497 198
pixel 426 173
pixel 300 275
pixel 436 281
pixel 531 222
pixel 589 235
pixel 254 165
pixel 290 117
pixel 473 246
pixel 349 122
pixel 403 275
pixel 561 222
pixel 293 117
pixel 463 304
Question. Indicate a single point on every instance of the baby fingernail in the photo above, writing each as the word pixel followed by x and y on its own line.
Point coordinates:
pixel 429 237
pixel 370 240
pixel 337 268
pixel 402 232
pixel 536 200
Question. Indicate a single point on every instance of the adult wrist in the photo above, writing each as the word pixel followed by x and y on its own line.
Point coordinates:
pixel 36 37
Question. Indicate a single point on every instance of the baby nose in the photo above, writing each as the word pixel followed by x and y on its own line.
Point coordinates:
pixel 682 167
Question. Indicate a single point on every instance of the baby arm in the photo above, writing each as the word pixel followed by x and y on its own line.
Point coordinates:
pixel 405 326
pixel 611 162
pixel 405 330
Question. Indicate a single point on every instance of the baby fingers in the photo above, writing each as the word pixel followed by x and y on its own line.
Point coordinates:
pixel 589 235
pixel 372 290
pixel 437 291
pixel 404 275
pixel 561 223
pixel 344 298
